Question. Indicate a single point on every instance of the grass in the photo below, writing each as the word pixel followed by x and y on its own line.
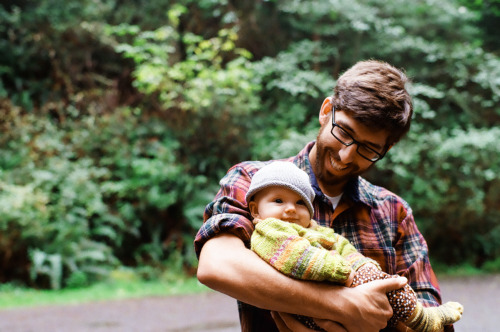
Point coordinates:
pixel 466 269
pixel 124 284
pixel 15 297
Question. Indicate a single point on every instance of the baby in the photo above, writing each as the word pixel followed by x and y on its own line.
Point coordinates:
pixel 280 200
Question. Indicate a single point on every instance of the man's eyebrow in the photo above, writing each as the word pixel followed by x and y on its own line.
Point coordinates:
pixel 351 132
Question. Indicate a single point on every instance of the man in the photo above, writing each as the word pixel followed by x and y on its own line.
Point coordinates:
pixel 369 112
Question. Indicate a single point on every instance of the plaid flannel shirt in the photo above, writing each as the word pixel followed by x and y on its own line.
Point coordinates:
pixel 377 222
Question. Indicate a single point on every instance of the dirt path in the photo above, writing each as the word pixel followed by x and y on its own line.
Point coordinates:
pixel 217 312
pixel 481 299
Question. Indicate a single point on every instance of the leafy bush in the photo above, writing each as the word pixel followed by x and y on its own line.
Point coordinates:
pixel 205 89
pixel 54 58
pixel 452 181
pixel 48 199
pixel 86 194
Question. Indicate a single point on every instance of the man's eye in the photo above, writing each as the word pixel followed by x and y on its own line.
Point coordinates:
pixel 278 200
pixel 344 134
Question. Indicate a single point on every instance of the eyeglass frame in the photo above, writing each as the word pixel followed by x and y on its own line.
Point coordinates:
pixel 358 144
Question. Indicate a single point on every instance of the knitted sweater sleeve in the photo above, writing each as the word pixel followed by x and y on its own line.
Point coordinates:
pixel 327 238
pixel 298 252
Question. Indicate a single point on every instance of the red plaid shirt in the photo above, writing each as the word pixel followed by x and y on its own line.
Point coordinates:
pixel 377 222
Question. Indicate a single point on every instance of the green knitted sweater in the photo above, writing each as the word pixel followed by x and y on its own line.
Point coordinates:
pixel 304 253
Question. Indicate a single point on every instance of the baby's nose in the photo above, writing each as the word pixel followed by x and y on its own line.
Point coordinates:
pixel 290 207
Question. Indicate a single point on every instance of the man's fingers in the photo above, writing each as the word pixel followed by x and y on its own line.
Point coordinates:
pixel 286 323
pixel 329 325
pixel 280 323
pixel 394 283
pixel 387 285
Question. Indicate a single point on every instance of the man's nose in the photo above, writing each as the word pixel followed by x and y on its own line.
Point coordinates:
pixel 348 153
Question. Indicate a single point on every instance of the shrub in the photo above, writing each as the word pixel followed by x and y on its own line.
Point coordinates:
pixel 451 180
pixel 85 196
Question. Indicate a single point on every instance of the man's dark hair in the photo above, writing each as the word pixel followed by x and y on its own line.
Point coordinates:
pixel 373 93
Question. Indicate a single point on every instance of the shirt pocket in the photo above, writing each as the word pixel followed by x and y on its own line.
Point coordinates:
pixel 386 257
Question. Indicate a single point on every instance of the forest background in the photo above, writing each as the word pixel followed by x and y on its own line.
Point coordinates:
pixel 118 118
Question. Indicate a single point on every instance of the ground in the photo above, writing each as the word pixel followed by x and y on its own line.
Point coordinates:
pixel 216 312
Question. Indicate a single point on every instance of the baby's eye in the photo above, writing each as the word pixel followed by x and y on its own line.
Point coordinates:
pixel 301 202
pixel 278 200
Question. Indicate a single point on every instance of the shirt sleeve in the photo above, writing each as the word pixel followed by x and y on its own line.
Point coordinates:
pixel 228 212
pixel 286 247
pixel 412 261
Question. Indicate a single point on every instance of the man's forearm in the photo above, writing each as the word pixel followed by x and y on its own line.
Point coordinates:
pixel 227 266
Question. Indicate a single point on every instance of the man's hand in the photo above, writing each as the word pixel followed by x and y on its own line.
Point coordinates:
pixel 369 310
pixel 286 323
pixel 371 305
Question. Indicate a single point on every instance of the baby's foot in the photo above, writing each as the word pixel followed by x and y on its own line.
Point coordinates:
pixel 434 319
pixel 451 312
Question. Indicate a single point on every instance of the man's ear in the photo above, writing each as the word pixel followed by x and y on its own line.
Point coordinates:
pixel 252 206
pixel 326 109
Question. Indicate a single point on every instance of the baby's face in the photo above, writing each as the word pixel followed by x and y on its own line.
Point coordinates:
pixel 280 203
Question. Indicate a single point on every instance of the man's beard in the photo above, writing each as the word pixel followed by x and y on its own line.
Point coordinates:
pixel 325 155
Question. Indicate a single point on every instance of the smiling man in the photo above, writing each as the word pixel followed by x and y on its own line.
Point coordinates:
pixel 369 112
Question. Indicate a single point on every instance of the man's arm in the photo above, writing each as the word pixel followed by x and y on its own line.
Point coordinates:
pixel 227 266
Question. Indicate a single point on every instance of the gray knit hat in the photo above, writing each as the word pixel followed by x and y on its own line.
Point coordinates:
pixel 283 174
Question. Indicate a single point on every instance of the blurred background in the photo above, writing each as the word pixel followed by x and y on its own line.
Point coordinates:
pixel 118 118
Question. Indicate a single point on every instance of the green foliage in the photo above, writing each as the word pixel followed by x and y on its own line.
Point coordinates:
pixel 49 199
pixel 195 81
pixel 50 52
pixel 451 181
pixel 85 194
pixel 488 14
pixel 294 82
pixel 119 117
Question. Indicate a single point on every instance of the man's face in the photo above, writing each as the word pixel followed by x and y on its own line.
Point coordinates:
pixel 334 164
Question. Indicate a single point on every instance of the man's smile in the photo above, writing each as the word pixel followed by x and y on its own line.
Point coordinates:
pixel 336 164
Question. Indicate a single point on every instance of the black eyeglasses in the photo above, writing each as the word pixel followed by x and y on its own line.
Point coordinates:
pixel 345 138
